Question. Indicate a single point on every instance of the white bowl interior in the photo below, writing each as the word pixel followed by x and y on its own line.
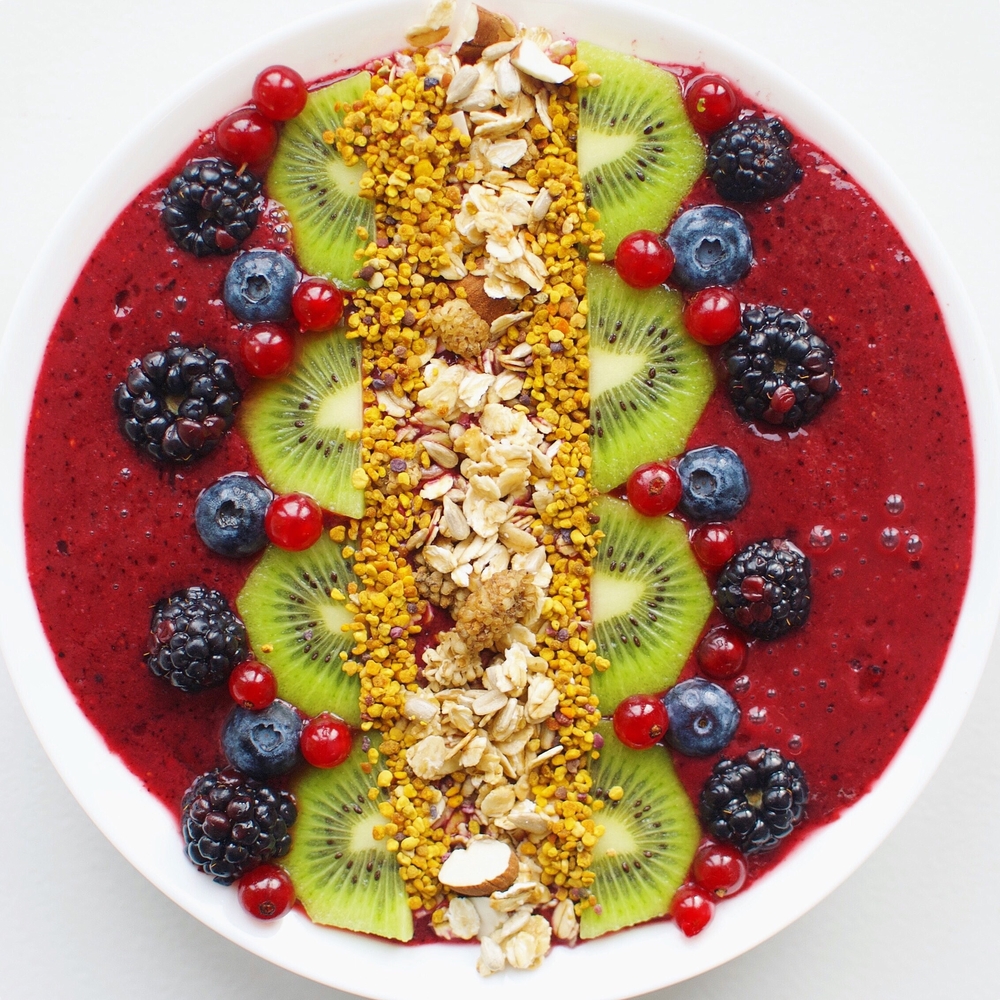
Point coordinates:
pixel 625 964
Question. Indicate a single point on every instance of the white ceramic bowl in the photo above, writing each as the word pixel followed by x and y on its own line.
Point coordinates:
pixel 625 964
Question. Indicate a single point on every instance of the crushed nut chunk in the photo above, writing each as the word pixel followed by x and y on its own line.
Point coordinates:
pixel 488 613
pixel 460 329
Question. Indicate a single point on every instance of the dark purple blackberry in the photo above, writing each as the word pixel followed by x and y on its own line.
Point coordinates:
pixel 778 369
pixel 176 404
pixel 749 160
pixel 754 801
pixel 764 589
pixel 232 823
pixel 211 207
pixel 195 640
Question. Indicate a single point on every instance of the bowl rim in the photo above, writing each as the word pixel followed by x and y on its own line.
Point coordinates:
pixel 145 832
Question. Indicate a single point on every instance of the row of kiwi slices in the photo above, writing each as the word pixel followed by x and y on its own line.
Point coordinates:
pixel 649 383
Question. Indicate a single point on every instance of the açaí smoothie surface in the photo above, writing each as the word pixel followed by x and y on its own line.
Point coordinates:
pixel 110 532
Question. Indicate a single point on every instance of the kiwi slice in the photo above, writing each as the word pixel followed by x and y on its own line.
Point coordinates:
pixel 649 602
pixel 649 381
pixel 636 150
pixel 650 836
pixel 342 875
pixel 295 626
pixel 320 192
pixel 297 427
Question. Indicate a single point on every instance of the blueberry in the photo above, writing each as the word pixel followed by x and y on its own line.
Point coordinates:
pixel 229 515
pixel 703 717
pixel 711 246
pixel 265 743
pixel 259 286
pixel 714 483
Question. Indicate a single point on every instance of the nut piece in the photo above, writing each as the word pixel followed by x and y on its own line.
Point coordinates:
pixel 488 614
pixel 484 867
pixel 488 308
pixel 481 29
pixel 460 329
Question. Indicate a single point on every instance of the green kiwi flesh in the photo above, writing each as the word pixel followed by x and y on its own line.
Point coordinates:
pixel 648 600
pixel 650 836
pixel 342 875
pixel 320 192
pixel 649 381
pixel 295 626
pixel 637 152
pixel 297 426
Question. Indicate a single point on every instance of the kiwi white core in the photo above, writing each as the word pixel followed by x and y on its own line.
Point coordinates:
pixel 609 370
pixel 601 148
pixel 341 410
pixel 613 596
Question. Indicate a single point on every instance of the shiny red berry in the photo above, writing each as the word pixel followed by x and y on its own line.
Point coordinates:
pixel 640 721
pixel 713 544
pixel 783 399
pixel 654 489
pixel 691 909
pixel 267 351
pixel 294 521
pixel 266 892
pixel 325 740
pixel 279 93
pixel 719 869
pixel 246 136
pixel 318 305
pixel 711 102
pixel 712 316
pixel 721 653
pixel 253 685
pixel 643 260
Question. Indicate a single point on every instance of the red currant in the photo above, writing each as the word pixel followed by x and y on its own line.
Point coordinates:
pixel 640 721
pixel 691 909
pixel 246 136
pixel 654 489
pixel 713 544
pixel 280 93
pixel 722 653
pixel 710 102
pixel 712 316
pixel 318 305
pixel 719 869
pixel 267 351
pixel 294 521
pixel 643 260
pixel 325 740
pixel 253 685
pixel 266 892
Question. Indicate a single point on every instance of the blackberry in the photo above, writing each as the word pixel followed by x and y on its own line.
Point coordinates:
pixel 211 207
pixel 764 589
pixel 778 369
pixel 754 801
pixel 176 404
pixel 232 823
pixel 195 640
pixel 749 160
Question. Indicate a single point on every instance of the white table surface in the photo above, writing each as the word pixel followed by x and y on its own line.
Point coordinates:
pixel 921 919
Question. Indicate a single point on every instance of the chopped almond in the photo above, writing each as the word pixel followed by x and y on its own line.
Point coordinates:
pixel 484 867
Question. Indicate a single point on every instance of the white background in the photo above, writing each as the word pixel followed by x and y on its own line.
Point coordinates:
pixel 921 919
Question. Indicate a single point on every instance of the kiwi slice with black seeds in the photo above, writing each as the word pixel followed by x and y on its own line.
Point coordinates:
pixel 649 381
pixel 296 627
pixel 649 602
pixel 650 836
pixel 304 429
pixel 637 152
pixel 320 192
pixel 342 875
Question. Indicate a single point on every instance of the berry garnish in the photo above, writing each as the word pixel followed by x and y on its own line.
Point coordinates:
pixel 279 93
pixel 229 515
pixel 712 316
pixel 691 909
pixel 294 522
pixel 750 160
pixel 266 892
pixel 253 685
pixel 711 246
pixel 713 545
pixel 318 305
pixel 643 260
pixel 264 743
pixel 267 351
pixel 710 101
pixel 259 285
pixel 719 869
pixel 722 653
pixel 325 740
pixel 640 721
pixel 246 136
pixel 714 483
pixel 703 717
pixel 654 489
